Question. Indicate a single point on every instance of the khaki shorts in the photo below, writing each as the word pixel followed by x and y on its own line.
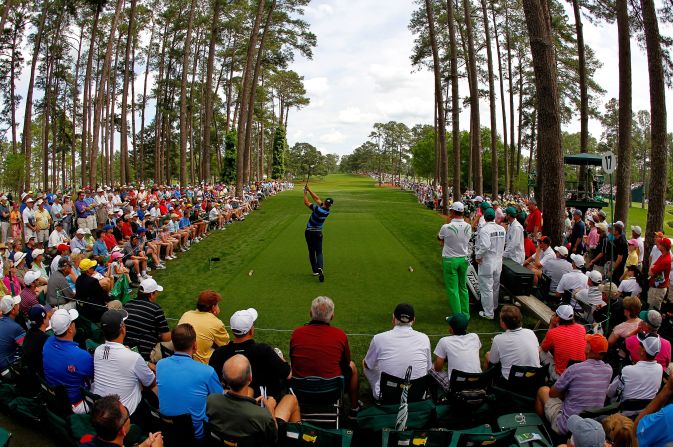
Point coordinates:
pixel 552 411
pixel 655 297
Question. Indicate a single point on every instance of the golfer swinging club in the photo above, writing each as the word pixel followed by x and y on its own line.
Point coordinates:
pixel 313 231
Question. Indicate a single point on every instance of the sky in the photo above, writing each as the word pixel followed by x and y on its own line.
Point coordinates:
pixel 361 74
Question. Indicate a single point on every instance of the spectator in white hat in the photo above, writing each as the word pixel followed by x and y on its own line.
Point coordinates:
pixel 556 267
pixel 574 280
pixel 454 238
pixel 272 371
pixel 79 243
pixel 28 217
pixel 642 380
pixel 11 333
pixel 592 295
pixel 637 234
pixel 564 341
pixel 65 363
pixel 29 293
pixel 38 266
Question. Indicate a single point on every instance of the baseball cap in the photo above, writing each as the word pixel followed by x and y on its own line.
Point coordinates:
pixel 484 205
pixel 561 250
pixel 478 199
pixel 37 252
pixel 602 226
pixel 595 276
pixel 8 302
pixel 404 313
pixel 116 255
pixel 142 230
pixel 577 212
pixel 61 320
pixel 107 227
pixel 458 207
pixel 511 211
pixel 112 320
pixel 149 285
pixel 489 213
pixel 633 242
pixel 242 321
pixel 62 247
pixel 602 213
pixel 636 229
pixel 18 256
pixel 30 277
pixel 457 321
pixel 586 432
pixel 329 201
pixel 577 259
pixel 651 343
pixel 81 231
pixel 565 312
pixel 87 264
pixel 598 343
pixel 39 202
pixel 651 317
pixel 30 200
pixel 37 313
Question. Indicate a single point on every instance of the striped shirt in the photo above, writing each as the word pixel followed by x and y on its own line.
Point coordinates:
pixel 317 219
pixel 144 326
pixel 585 386
pixel 567 342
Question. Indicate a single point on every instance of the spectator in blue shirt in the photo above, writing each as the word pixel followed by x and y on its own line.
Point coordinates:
pixel 653 424
pixel 184 384
pixel 65 363
pixel 99 248
pixel 11 334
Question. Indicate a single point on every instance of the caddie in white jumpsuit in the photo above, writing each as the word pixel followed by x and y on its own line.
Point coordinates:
pixel 514 248
pixel 489 251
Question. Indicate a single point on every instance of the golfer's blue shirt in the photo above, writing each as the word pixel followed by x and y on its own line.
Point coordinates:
pixel 317 219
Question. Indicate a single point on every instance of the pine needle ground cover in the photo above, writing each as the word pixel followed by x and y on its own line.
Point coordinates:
pixel 371 239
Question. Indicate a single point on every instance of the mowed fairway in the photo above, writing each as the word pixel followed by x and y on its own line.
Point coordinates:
pixel 371 239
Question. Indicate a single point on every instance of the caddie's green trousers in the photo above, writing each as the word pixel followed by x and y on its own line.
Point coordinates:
pixel 455 280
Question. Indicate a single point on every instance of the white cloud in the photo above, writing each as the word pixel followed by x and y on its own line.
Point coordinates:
pixel 332 137
pixel 352 115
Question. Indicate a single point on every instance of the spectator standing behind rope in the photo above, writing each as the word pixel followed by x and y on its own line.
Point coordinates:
pixel 313 232
pixel 454 238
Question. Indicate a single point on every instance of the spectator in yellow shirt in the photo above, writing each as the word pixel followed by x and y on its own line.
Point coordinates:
pixel 42 223
pixel 210 330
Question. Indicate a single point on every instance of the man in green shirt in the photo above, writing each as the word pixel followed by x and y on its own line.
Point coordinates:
pixel 237 415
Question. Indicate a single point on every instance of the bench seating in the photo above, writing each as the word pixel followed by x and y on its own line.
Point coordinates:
pixel 537 307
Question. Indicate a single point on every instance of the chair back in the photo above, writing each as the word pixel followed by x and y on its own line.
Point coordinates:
pixel 390 389
pixel 177 431
pixel 165 352
pixel 217 439
pixel 469 391
pixel 526 380
pixel 319 398
pixel 89 398
pixel 544 284
pixel 504 438
pixel 56 399
pixel 25 379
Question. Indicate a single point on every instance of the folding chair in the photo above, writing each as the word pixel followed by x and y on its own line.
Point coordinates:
pixel 178 431
pixel 519 390
pixel 498 439
pixel 319 399
pixel 218 439
pixel 89 398
pixel 390 389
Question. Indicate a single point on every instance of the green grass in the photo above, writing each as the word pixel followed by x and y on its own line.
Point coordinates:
pixel 371 239
pixel 638 216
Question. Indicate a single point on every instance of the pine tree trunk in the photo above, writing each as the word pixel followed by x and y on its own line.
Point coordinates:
pixel 623 177
pixel 46 113
pixel 144 104
pixel 246 91
pixel 582 69
pixel 101 92
pixel 511 103
pixel 75 96
pixel 550 153
pixel 440 106
pixel 455 104
pixel 475 126
pixel 520 114
pixel 208 100
pixel 253 90
pixel 5 12
pixel 659 150
pixel 12 87
pixel 125 173
pixel 183 97
pixel 502 100
pixel 28 115
pixel 491 101
pixel 86 107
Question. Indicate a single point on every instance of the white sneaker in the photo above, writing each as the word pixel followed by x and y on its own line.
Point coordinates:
pixel 482 314
pixel 161 267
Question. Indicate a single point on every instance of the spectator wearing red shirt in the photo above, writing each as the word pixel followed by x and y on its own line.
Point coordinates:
pixel 318 349
pixel 659 274
pixel 108 237
pixel 534 219
pixel 529 247
pixel 564 341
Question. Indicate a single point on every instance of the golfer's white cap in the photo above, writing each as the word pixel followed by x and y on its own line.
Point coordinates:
pixel 458 207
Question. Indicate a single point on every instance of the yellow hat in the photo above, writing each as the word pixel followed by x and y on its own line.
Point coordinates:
pixel 87 264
